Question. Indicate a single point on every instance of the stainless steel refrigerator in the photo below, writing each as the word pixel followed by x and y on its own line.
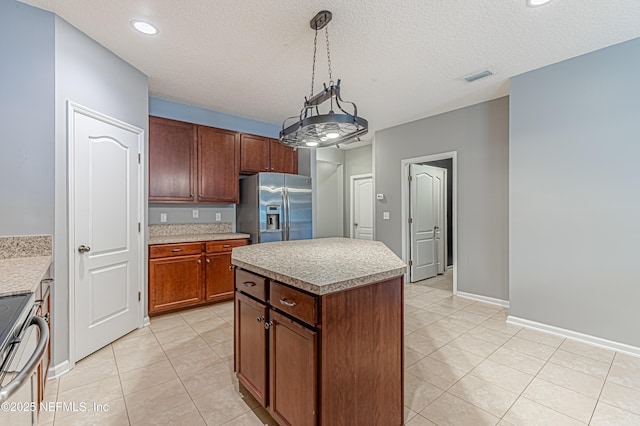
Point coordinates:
pixel 275 207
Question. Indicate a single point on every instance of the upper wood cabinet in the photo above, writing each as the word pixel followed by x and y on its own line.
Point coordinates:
pixel 260 154
pixel 189 163
pixel 283 158
pixel 172 160
pixel 218 165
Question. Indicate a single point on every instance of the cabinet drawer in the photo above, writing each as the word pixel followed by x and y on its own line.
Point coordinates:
pixel 180 249
pixel 224 245
pixel 251 284
pixel 293 302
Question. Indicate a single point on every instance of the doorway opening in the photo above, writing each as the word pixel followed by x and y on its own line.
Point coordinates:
pixel 429 220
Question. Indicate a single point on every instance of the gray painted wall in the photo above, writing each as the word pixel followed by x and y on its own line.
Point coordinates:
pixel 575 194
pixel 480 135
pixel 357 161
pixel 183 213
pixel 92 76
pixel 26 119
pixel 329 187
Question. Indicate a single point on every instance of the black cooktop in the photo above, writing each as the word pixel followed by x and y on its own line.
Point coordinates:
pixel 11 308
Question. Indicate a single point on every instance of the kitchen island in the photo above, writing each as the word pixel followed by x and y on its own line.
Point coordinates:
pixel 319 330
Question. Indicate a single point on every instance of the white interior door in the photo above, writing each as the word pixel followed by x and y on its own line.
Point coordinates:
pixel 426 188
pixel 362 208
pixel 105 204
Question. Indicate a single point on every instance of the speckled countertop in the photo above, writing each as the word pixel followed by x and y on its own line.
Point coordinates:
pixel 192 232
pixel 24 262
pixel 321 266
pixel 188 238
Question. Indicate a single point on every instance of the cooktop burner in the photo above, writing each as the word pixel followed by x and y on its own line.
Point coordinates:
pixel 11 308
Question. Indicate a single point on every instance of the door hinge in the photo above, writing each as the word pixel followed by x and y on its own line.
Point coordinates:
pixel 139 296
pixel 410 220
pixel 410 178
pixel 139 227
pixel 139 158
pixel 411 263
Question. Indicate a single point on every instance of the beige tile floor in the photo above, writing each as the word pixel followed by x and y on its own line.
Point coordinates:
pixel 464 366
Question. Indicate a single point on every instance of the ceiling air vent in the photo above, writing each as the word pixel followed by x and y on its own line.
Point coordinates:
pixel 477 76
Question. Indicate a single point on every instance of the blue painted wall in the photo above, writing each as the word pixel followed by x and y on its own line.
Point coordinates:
pixel 27 119
pixel 177 111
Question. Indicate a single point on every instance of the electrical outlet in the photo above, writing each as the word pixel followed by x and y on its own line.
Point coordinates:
pixel 218 217
pixel 385 215
pixel 195 213
pixel 163 217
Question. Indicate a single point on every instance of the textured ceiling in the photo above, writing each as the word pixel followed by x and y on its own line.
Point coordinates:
pixel 398 60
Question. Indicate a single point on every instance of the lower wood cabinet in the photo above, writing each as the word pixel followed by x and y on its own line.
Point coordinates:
pixel 184 275
pixel 334 359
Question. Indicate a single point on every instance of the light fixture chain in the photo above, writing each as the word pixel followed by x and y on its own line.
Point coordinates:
pixel 326 32
pixel 313 69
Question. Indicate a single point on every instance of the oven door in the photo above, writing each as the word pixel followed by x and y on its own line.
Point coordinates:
pixel 19 387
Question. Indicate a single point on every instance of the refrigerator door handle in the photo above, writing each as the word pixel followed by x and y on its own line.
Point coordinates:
pixel 288 213
pixel 285 220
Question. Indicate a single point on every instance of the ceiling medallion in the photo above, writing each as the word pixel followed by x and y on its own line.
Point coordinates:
pixel 314 129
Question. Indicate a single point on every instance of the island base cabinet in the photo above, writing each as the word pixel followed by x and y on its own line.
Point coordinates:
pixel 251 346
pixel 292 372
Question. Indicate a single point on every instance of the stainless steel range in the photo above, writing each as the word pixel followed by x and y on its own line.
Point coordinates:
pixel 23 341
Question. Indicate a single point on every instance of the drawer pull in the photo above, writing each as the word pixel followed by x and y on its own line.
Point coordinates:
pixel 226 246
pixel 248 284
pixel 176 250
pixel 287 303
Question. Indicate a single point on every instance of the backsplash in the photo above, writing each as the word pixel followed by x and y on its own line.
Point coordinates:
pixel 25 246
pixel 189 229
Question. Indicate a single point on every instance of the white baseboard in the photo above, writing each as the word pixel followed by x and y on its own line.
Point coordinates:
pixel 585 338
pixel 58 370
pixel 146 322
pixel 485 299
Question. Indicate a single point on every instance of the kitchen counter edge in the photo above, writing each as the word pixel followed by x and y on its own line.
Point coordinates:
pixel 22 274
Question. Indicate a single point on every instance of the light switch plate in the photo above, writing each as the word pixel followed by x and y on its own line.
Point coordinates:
pixel 385 215
pixel 218 217
pixel 163 217
pixel 195 213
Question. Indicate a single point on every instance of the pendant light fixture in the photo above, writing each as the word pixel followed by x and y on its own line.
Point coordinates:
pixel 313 128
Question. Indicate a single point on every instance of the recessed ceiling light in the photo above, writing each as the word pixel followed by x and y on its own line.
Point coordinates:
pixel 536 3
pixel 144 27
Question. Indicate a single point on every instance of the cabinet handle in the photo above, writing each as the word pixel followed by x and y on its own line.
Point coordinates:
pixel 176 250
pixel 268 325
pixel 248 284
pixel 260 319
pixel 287 303
pixel 191 195
pixel 208 260
pixel 232 267
pixel 46 317
pixel 199 261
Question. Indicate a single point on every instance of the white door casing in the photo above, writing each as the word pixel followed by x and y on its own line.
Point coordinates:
pixel 362 207
pixel 426 187
pixel 105 215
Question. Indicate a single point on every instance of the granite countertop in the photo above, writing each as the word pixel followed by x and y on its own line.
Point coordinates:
pixel 188 238
pixel 24 262
pixel 321 266
pixel 22 274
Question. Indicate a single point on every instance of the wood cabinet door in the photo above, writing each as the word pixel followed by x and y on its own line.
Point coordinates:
pixel 218 277
pixel 175 282
pixel 218 165
pixel 283 158
pixel 251 346
pixel 292 372
pixel 172 160
pixel 254 154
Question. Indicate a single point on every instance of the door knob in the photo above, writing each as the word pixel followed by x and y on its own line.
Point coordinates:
pixel 355 224
pixel 83 249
